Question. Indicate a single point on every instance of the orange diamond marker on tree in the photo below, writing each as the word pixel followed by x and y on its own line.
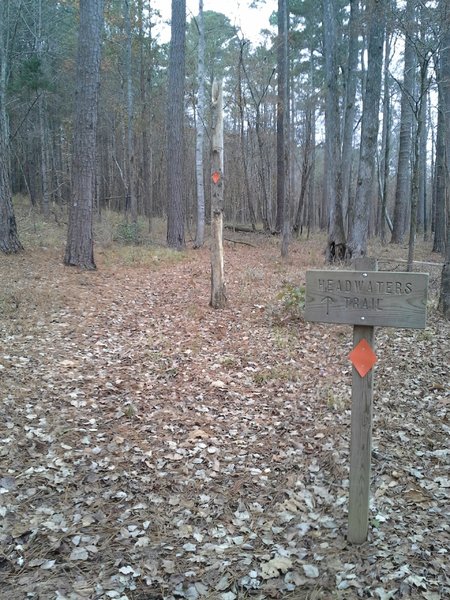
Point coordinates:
pixel 216 177
pixel 363 357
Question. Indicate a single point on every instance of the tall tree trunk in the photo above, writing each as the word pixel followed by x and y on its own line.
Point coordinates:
pixel 9 240
pixel 444 300
pixel 44 156
pixel 306 166
pixel 218 291
pixel 386 140
pixel 440 172
pixel 422 205
pixel 131 199
pixel 80 242
pixel 403 186
pixel 175 120
pixel 43 129
pixel 283 208
pixel 144 79
pixel 429 191
pixel 242 137
pixel 281 107
pixel 310 220
pixel 200 126
pixel 415 180
pixel 359 224
pixel 336 245
pixel 349 113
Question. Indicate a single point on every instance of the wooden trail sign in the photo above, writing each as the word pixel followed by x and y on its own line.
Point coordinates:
pixel 372 298
pixel 364 298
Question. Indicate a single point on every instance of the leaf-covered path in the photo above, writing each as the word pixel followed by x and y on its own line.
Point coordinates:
pixel 154 448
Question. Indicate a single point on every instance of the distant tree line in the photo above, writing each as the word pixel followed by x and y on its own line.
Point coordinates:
pixel 338 119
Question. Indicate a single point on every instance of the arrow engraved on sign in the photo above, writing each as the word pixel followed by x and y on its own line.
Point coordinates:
pixel 327 299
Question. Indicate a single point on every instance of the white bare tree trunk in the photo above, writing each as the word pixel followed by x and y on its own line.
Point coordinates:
pixel 218 292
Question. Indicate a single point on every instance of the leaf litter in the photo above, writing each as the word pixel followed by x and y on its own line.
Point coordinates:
pixel 154 448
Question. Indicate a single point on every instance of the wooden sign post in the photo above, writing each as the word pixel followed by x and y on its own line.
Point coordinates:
pixel 364 298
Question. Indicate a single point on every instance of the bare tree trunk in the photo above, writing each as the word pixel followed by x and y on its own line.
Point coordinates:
pixel 146 151
pixel 310 216
pixel 45 160
pixel 281 107
pixel 283 207
pixel 80 242
pixel 306 167
pixel 422 205
pixel 175 124
pixel 43 129
pixel 9 240
pixel 200 234
pixel 403 186
pixel 420 116
pixel 218 291
pixel 358 234
pixel 429 192
pixel 310 220
pixel 444 300
pixel 349 113
pixel 336 245
pixel 131 199
pixel 241 104
pixel 386 140
pixel 440 173
pixel 266 204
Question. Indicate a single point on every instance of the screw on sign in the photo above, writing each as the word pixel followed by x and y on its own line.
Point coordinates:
pixel 365 298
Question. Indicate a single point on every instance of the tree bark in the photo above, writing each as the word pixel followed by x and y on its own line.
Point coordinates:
pixel 9 239
pixel 146 136
pixel 336 245
pixel 307 161
pixel 359 225
pixel 218 290
pixel 444 300
pixel 43 128
pixel 415 180
pixel 403 186
pixel 440 172
pixel 175 122
pixel 283 212
pixel 131 198
pixel 200 130
pixel 80 239
pixel 349 113
pixel 422 205
pixel 386 141
pixel 242 138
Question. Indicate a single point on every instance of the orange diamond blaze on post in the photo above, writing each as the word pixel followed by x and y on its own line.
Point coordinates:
pixel 216 177
pixel 363 357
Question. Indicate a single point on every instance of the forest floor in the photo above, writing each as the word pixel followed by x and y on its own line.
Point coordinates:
pixel 154 448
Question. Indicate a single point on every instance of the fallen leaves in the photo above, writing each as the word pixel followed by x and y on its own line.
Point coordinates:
pixel 154 448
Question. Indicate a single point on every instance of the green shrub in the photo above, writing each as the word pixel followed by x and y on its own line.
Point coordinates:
pixel 292 299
